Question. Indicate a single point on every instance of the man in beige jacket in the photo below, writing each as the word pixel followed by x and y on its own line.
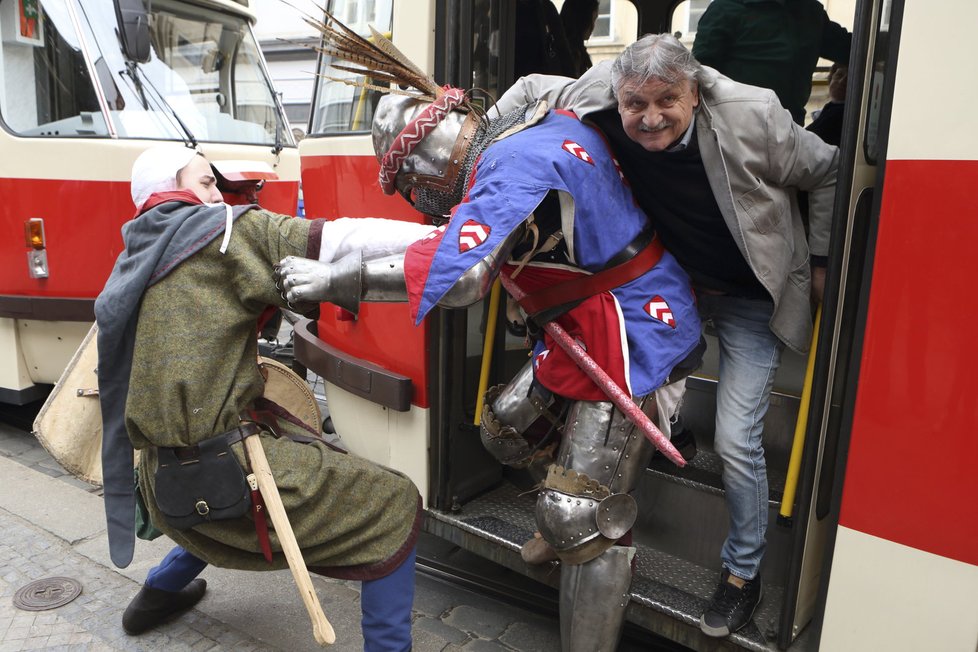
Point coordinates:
pixel 716 164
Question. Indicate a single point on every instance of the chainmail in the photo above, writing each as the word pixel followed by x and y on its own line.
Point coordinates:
pixel 439 204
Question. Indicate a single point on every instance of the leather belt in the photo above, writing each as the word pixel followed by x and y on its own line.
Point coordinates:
pixel 638 257
pixel 244 429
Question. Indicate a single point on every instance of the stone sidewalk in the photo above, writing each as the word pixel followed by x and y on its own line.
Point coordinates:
pixel 52 525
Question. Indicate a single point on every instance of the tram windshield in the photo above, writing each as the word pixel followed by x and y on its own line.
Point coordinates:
pixel 204 79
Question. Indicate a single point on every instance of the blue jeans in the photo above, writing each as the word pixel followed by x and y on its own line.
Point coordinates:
pixel 749 357
pixel 385 602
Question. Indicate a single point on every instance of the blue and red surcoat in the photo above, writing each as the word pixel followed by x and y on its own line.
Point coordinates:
pixel 636 332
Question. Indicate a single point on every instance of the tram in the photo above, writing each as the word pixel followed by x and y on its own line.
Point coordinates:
pixel 873 543
pixel 85 87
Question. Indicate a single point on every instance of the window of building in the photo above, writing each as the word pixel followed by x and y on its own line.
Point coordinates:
pixel 603 25
pixel 686 18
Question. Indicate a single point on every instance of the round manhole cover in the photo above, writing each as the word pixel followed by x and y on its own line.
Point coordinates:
pixel 49 593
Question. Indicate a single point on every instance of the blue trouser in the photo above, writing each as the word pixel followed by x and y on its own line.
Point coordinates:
pixel 175 571
pixel 749 357
pixel 385 602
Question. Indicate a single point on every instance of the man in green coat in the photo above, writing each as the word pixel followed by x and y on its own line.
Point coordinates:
pixel 178 365
pixel 773 44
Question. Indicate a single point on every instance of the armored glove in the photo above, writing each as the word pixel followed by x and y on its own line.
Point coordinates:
pixel 303 280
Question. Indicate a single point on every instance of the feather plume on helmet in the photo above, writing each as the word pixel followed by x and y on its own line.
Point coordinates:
pixel 375 58
pixel 423 133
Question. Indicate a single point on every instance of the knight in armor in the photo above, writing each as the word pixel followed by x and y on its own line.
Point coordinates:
pixel 178 320
pixel 537 195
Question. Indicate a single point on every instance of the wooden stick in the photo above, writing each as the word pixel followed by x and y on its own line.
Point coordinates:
pixel 321 628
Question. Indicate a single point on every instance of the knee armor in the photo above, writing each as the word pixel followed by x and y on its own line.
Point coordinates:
pixel 510 411
pixel 585 507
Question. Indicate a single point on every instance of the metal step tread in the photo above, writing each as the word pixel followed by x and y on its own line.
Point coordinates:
pixel 705 473
pixel 497 524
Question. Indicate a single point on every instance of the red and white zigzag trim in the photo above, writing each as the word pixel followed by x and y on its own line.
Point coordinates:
pixel 413 133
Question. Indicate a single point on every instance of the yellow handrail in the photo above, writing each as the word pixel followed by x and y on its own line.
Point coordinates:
pixel 487 349
pixel 798 444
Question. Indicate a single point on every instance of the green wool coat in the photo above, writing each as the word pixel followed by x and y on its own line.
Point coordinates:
pixel 194 371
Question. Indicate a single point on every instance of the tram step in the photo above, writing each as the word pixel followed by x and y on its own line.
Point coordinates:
pixel 688 519
pixel 705 473
pixel 668 593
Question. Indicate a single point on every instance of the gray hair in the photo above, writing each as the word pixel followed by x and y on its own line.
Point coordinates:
pixel 655 56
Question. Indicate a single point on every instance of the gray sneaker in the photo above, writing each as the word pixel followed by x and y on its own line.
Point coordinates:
pixel 731 608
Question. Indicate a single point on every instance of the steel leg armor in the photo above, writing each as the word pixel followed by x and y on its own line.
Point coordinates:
pixel 585 505
pixel 510 411
pixel 593 600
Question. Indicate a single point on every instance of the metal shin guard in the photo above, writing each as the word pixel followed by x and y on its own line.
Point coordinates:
pixel 593 600
pixel 585 505
pixel 509 411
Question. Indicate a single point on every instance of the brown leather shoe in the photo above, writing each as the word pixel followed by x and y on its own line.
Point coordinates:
pixel 537 550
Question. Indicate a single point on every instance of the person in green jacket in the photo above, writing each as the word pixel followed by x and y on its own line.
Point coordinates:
pixel 178 367
pixel 773 44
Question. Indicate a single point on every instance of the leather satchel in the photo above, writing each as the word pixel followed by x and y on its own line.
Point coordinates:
pixel 202 483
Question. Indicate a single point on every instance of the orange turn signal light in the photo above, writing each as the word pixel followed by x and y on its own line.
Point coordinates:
pixel 34 230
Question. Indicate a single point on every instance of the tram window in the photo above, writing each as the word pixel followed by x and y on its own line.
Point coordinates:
pixel 204 72
pixel 44 69
pixel 340 108
pixel 871 142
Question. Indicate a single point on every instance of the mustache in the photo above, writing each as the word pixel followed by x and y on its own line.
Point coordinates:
pixel 665 124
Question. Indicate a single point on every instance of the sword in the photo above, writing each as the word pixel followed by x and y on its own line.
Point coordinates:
pixel 622 400
pixel 321 628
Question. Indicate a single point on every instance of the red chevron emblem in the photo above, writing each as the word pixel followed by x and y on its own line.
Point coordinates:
pixel 573 148
pixel 659 309
pixel 471 235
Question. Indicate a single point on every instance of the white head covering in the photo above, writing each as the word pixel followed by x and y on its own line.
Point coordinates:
pixel 156 170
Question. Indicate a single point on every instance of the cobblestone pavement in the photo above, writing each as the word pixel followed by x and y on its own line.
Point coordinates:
pixel 52 525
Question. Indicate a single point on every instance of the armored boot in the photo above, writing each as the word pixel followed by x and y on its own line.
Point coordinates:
pixel 593 599
pixel 152 607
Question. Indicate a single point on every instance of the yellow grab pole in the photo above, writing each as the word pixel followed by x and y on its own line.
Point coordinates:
pixel 794 462
pixel 487 349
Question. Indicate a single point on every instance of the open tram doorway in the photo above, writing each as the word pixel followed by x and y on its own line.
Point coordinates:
pixel 481 506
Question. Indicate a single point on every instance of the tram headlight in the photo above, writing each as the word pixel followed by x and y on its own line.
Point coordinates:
pixel 37 255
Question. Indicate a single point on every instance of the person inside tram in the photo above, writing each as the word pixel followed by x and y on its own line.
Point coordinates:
pixel 541 45
pixel 578 18
pixel 188 289
pixel 718 180
pixel 827 121
pixel 773 44
pixel 524 206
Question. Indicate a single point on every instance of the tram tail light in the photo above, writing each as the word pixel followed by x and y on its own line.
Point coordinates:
pixel 37 255
pixel 34 228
